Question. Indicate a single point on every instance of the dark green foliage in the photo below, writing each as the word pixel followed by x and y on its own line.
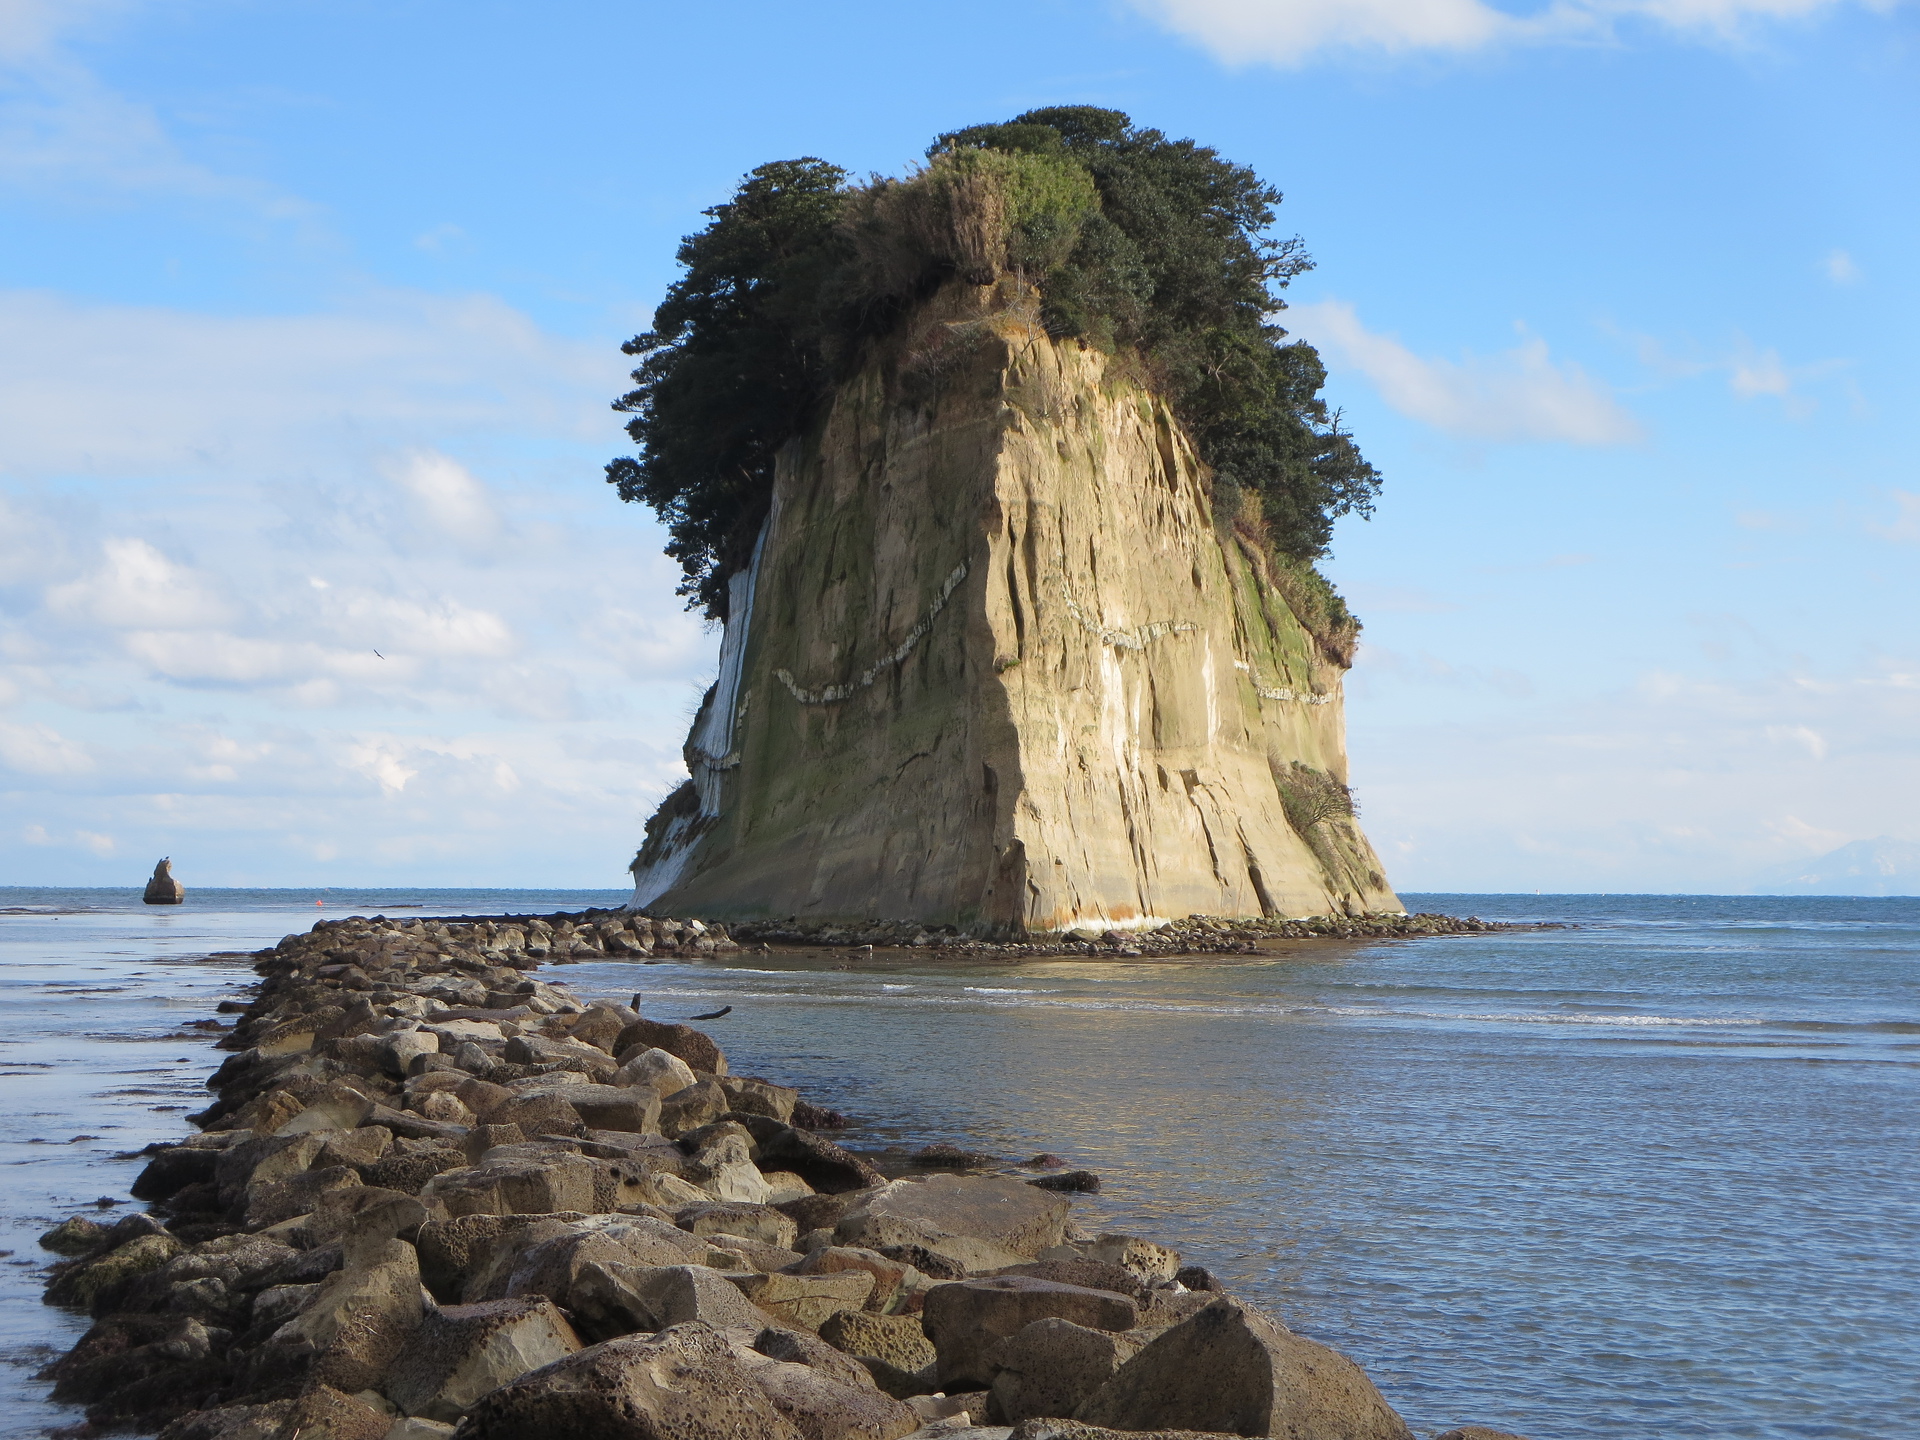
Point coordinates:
pixel 730 368
pixel 1135 243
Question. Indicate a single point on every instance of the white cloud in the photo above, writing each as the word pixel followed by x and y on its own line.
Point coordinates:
pixel 447 495
pixel 1841 267
pixel 1291 32
pixel 1752 371
pixel 41 750
pixel 1522 394
pixel 336 594
pixel 106 389
pixel 136 586
pixel 1906 522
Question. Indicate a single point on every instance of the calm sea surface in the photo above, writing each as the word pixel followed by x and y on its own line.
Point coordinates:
pixel 1655 1176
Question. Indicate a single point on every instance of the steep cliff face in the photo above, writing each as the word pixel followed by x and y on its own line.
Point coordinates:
pixel 995 664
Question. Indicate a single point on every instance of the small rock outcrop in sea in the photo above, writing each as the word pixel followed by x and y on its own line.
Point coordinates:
pixel 163 889
pixel 438 1197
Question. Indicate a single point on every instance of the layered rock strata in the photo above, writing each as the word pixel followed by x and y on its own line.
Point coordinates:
pixel 994 664
pixel 437 1196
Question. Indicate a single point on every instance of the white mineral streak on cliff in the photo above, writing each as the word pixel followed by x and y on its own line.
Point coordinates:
pixel 997 666
pixel 829 694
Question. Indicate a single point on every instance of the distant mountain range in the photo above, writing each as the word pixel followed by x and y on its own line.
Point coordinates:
pixel 1866 867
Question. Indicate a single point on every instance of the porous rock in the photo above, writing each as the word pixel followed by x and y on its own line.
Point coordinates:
pixel 1008 1213
pixel 1052 1367
pixel 462 1352
pixel 806 1300
pixel 966 1319
pixel 322 1413
pixel 682 1384
pixel 1231 1369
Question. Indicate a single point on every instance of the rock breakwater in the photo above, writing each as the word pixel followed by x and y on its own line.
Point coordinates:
pixel 438 1196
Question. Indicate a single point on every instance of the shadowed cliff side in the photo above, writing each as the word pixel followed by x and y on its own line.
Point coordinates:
pixel 994 663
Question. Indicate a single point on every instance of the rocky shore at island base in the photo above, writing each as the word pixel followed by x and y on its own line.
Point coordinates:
pixel 436 1196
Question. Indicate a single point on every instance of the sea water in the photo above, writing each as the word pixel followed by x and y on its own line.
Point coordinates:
pixel 1654 1175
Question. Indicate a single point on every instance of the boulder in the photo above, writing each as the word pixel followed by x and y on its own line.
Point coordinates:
pixel 1052 1367
pixel 893 1348
pixel 723 1167
pixel 357 1322
pixel 363 1212
pixel 925 1245
pixel 398 1051
pixel 332 1107
pixel 453 1249
pixel 92 1284
pixel 543 1113
pixel 806 1300
pixel 890 1277
pixel 550 1263
pixel 1093 1274
pixel 802 1347
pixel 1476 1432
pixel 682 1384
pixel 516 1185
pixel 701 1103
pixel 1150 1263
pixel 408 1173
pixel 76 1235
pixel 321 1414
pixel 1008 1212
pixel 751 1222
pixel 1231 1369
pixel 173 1170
pixel 631 1109
pixel 163 889
pixel 966 1319
pixel 822 1407
pixel 821 1163
pixel 688 1044
pixel 617 1299
pixel 749 1096
pixel 663 1073
pixel 462 1352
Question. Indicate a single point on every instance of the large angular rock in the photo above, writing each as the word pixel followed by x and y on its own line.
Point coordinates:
pixel 1477 1432
pixel 355 1325
pixel 967 1319
pixel 749 1221
pixel 1006 1212
pixel 890 1277
pixel 701 1103
pixel 452 1251
pixel 760 1097
pixel 682 1384
pixel 822 1407
pixel 723 1167
pixel 659 1070
pixel 628 1108
pixel 697 1049
pixel 516 1185
pixel 1052 1367
pixel 1231 1369
pixel 1150 1263
pixel 1073 1430
pixel 279 1200
pixel 893 1348
pixel 90 1282
pixel 321 1414
pixel 806 1300
pixel 462 1352
pixel 822 1164
pixel 802 1347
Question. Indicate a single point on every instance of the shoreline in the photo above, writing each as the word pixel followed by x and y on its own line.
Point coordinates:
pixel 343 1154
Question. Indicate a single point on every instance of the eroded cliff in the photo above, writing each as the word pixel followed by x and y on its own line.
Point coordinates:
pixel 997 663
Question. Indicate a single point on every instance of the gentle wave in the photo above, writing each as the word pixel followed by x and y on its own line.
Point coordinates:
pixel 893 996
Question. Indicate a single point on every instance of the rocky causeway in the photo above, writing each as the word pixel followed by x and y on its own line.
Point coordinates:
pixel 436 1195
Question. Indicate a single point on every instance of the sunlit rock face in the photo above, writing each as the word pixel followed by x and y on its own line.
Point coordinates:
pixel 995 665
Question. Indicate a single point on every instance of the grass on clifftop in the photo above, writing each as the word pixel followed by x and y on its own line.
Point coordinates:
pixel 1158 250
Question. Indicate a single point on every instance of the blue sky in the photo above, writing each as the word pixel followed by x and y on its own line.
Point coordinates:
pixel 309 314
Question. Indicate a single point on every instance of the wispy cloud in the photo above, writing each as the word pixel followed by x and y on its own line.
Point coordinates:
pixel 1841 268
pixel 1751 371
pixel 1292 32
pixel 1521 394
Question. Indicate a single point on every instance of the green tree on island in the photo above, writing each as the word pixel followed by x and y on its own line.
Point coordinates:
pixel 1153 250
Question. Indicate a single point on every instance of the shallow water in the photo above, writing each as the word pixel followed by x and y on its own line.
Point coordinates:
pixel 1656 1175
